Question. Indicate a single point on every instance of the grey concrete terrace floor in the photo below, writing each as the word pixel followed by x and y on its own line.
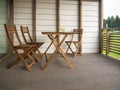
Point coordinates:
pixel 90 72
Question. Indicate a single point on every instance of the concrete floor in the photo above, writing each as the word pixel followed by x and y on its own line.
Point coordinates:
pixel 90 72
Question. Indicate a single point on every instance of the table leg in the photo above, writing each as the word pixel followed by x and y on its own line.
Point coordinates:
pixel 58 49
pixel 49 60
pixel 66 59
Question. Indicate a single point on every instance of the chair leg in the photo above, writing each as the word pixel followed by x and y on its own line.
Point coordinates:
pixel 36 56
pixel 68 47
pixel 66 59
pixel 31 58
pixel 50 59
pixel 42 55
pixel 22 57
pixel 80 51
pixel 77 49
pixel 28 66
pixel 69 44
pixel 25 63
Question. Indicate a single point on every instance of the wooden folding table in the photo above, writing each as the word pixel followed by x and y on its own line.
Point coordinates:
pixel 53 37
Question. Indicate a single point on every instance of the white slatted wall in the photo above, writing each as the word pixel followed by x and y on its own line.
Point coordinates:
pixel 3 20
pixel 23 15
pixel 90 24
pixel 68 17
pixel 46 21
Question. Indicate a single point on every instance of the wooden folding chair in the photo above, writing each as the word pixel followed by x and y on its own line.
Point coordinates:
pixel 77 44
pixel 29 40
pixel 25 56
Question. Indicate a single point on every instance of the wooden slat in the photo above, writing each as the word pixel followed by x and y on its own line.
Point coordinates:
pixel 116 44
pixel 115 52
pixel 115 48
pixel 115 41
pixel 111 41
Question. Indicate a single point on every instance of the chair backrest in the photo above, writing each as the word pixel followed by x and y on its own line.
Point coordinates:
pixel 11 33
pixel 79 32
pixel 24 31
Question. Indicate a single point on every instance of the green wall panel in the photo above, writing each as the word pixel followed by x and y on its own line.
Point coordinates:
pixel 3 20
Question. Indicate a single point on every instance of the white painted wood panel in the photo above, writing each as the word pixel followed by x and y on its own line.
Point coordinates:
pixel 46 1
pixel 69 2
pixel 44 17
pixel 90 13
pixel 23 10
pixel 91 30
pixel 68 12
pixel 23 22
pixel 90 23
pixel 45 28
pixel 23 4
pixel 90 18
pixel 89 40
pixel 90 8
pixel 43 11
pixel 90 50
pixel 69 23
pixel 89 3
pixel 22 16
pixel 91 35
pixel 46 21
pixel 68 6
pixel 68 17
pixel 46 6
